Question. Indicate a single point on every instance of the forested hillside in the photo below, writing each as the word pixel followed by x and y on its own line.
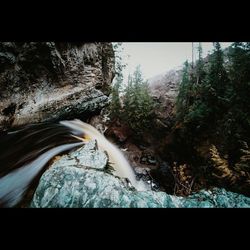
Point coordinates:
pixel 208 141
pixel 212 113
pixel 82 127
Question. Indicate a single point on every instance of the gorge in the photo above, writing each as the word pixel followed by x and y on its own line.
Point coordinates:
pixel 60 148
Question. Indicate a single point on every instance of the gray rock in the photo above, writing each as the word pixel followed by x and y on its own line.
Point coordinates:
pixel 164 90
pixel 80 179
pixel 50 81
pixel 142 171
pixel 166 84
pixel 86 157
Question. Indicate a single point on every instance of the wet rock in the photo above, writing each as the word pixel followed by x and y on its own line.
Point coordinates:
pixel 152 161
pixel 79 179
pixel 148 158
pixel 141 171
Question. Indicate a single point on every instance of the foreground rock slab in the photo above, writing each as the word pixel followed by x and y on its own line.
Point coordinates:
pixel 82 179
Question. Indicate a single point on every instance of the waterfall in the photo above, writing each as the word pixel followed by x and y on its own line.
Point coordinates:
pixel 14 185
pixel 119 162
pixel 24 154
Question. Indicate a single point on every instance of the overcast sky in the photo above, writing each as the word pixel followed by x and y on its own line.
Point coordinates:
pixel 156 58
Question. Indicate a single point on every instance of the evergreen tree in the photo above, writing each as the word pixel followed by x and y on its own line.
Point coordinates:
pixel 238 115
pixel 146 106
pixel 138 104
pixel 202 95
pixel 200 72
pixel 198 110
pixel 217 79
pixel 182 98
pixel 215 109
pixel 240 63
pixel 212 102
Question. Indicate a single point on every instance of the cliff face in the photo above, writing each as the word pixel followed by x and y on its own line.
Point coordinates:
pixel 164 89
pixel 48 81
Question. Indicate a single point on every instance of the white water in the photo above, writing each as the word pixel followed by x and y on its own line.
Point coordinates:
pixel 14 184
pixel 119 162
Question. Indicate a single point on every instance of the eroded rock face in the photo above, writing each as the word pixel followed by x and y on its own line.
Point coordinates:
pixel 82 179
pixel 47 81
pixel 164 89
pixel 169 82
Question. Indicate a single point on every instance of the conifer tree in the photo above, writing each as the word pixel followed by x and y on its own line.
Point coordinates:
pixel 217 78
pixel 128 102
pixel 239 101
pixel 138 104
pixel 182 98
pixel 200 72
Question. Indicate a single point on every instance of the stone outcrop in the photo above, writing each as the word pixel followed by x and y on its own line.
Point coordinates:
pixel 83 178
pixel 48 81
pixel 164 89
pixel 167 83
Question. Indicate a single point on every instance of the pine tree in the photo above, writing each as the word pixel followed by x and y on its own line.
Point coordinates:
pixel 200 72
pixel 214 87
pixel 240 65
pixel 129 102
pixel 239 105
pixel 182 98
pixel 214 104
pixel 198 110
pixel 190 109
pixel 138 104
pixel 217 79
pixel 146 105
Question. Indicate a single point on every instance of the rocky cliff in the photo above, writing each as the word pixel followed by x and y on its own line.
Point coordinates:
pixel 164 89
pixel 48 81
pixel 82 178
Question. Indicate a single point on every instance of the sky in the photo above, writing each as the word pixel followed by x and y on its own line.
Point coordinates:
pixel 156 58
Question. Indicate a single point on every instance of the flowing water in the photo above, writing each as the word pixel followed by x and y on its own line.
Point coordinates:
pixel 14 185
pixel 24 154
pixel 117 159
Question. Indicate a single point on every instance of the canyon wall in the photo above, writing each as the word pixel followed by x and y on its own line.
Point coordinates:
pixel 50 81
